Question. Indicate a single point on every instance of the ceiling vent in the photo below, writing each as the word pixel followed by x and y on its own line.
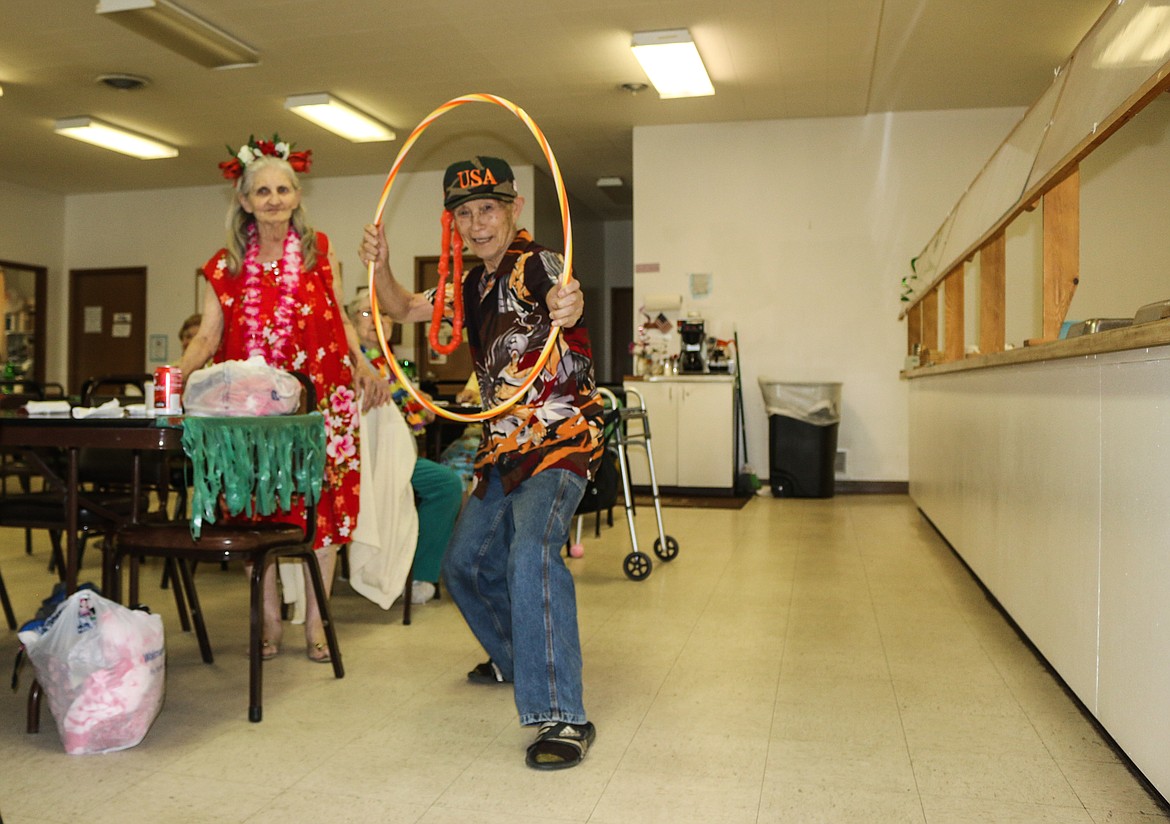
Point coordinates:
pixel 123 82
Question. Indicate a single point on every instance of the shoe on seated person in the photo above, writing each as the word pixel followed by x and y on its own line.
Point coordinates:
pixel 421 592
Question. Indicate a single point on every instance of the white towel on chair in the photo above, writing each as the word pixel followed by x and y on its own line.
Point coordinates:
pixel 382 547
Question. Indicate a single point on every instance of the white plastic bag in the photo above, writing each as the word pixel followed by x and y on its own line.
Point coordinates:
pixel 103 668
pixel 241 387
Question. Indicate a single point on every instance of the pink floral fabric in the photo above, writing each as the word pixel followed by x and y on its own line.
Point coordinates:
pixel 316 346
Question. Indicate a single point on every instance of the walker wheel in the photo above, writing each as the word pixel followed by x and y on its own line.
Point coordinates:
pixel 637 566
pixel 667 552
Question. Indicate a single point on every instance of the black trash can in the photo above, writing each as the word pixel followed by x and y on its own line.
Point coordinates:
pixel 803 419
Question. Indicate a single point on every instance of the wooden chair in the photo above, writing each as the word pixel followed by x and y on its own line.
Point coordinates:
pixel 14 395
pixel 122 388
pixel 9 615
pixel 257 544
pixel 105 511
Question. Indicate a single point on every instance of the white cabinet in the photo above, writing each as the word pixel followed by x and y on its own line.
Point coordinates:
pixel 692 429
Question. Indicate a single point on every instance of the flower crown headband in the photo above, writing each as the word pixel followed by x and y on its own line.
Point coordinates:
pixel 255 149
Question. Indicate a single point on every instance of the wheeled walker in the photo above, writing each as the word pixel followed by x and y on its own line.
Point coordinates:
pixel 637 564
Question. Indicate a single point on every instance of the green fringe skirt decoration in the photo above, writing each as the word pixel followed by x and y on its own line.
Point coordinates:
pixel 253 466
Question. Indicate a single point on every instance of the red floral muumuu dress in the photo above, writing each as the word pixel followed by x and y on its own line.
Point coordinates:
pixel 315 345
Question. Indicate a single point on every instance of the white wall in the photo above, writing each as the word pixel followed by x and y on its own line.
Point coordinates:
pixel 807 227
pixel 172 232
pixel 32 232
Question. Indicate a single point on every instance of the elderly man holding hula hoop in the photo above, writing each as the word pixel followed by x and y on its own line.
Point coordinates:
pixel 504 567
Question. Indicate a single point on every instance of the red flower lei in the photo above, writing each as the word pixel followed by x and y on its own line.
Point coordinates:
pixel 271 343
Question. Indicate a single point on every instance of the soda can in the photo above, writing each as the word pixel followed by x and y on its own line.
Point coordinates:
pixel 168 390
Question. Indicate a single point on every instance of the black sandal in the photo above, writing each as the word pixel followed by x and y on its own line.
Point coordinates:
pixel 559 746
pixel 486 673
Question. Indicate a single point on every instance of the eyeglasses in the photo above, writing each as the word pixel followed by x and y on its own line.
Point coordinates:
pixel 486 210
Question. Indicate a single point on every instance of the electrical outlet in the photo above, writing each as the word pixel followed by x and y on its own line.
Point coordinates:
pixel 841 462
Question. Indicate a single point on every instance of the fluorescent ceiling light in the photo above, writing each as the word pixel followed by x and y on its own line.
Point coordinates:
pixel 609 182
pixel 1144 41
pixel 340 118
pixel 92 130
pixel 181 31
pixel 672 63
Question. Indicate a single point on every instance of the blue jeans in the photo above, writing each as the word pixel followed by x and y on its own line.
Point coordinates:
pixel 505 572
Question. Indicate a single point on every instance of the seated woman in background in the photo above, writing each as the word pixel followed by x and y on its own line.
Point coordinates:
pixel 438 489
pixel 189 329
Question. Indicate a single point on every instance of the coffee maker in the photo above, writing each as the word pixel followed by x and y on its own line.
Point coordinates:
pixel 691 357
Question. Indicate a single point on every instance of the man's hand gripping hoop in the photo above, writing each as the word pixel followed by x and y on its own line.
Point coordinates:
pixel 456 243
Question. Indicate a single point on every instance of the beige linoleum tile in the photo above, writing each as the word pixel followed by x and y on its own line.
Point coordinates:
pixel 813 805
pixel 186 799
pixel 1070 736
pixel 989 735
pixel 1115 817
pixel 799 661
pixel 845 727
pixel 947 810
pixel 1003 778
pixel 879 767
pixel 651 794
pixel 1110 787
pixel 829 695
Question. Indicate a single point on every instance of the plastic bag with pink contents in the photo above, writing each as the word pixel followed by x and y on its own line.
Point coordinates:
pixel 241 387
pixel 103 668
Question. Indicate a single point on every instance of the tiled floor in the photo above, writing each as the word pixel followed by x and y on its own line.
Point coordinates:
pixel 800 661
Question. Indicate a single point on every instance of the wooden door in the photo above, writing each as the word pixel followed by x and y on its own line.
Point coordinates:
pixel 107 323
pixel 448 372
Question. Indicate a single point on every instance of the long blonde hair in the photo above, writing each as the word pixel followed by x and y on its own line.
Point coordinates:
pixel 238 219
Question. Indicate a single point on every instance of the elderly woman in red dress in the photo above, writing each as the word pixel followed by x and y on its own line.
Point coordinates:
pixel 273 294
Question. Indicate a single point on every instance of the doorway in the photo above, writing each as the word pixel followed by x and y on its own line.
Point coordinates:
pixel 107 323
pixel 22 347
pixel 441 375
pixel 621 332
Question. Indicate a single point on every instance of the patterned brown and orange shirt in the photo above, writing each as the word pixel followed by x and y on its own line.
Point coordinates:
pixel 558 423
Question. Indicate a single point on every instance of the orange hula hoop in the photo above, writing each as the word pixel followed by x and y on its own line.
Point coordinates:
pixel 566 222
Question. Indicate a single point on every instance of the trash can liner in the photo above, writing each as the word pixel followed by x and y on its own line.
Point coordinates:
pixel 815 403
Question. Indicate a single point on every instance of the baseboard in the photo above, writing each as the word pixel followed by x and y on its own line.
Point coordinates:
pixel 872 487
